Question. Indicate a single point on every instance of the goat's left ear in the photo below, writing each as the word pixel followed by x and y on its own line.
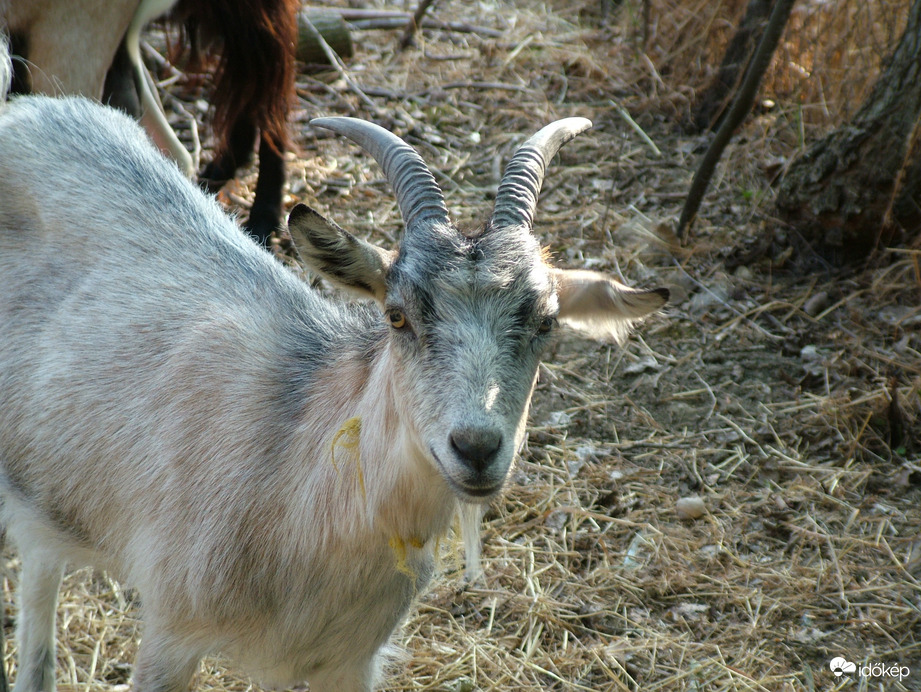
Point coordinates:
pixel 602 307
pixel 332 251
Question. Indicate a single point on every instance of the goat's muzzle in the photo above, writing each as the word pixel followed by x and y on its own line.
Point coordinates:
pixel 473 465
pixel 476 447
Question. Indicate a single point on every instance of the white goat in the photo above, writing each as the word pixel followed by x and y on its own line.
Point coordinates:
pixel 268 467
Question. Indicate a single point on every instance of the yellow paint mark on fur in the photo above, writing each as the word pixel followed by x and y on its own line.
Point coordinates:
pixel 351 431
pixel 401 551
pixel 348 438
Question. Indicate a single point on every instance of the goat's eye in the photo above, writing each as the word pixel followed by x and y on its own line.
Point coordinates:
pixel 397 319
pixel 546 325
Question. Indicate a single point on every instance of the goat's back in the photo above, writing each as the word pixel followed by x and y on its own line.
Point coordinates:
pixel 79 176
pixel 99 231
pixel 140 331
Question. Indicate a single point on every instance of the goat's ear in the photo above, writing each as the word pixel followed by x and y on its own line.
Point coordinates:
pixel 335 253
pixel 602 307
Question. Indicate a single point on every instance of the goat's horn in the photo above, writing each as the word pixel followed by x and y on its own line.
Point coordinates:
pixel 418 195
pixel 516 200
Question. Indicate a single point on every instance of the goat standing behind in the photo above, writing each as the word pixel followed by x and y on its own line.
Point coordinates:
pixel 268 467
pixel 91 48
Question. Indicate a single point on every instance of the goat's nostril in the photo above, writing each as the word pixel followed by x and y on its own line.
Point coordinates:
pixel 476 447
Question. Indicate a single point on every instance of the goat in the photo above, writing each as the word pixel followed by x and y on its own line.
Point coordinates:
pixel 92 48
pixel 270 467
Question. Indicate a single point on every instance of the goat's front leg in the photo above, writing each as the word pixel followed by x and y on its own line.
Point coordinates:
pixel 163 664
pixel 39 583
pixel 360 679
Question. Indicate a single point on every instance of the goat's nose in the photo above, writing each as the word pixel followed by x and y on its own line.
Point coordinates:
pixel 477 447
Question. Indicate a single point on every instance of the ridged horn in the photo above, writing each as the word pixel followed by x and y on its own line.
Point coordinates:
pixel 418 195
pixel 516 200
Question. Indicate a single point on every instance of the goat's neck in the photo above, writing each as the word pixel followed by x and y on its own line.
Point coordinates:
pixel 417 503
pixel 373 468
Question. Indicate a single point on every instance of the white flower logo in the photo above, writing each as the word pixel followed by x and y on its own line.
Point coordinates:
pixel 841 665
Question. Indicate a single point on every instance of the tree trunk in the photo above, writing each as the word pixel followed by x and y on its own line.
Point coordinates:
pixel 713 101
pixel 859 187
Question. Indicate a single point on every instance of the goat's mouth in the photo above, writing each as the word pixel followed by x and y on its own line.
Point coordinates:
pixel 468 491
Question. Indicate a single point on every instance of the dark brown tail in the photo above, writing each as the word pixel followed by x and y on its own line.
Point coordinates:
pixel 255 76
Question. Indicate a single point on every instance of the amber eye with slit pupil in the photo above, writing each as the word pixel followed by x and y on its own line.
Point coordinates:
pixel 397 319
pixel 546 325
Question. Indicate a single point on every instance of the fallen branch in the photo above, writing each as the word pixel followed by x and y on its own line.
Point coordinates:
pixel 393 19
pixel 337 64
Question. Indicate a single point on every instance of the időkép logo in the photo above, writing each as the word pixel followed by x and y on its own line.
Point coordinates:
pixel 841 666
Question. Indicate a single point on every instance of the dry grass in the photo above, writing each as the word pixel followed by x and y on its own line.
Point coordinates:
pixel 825 63
pixel 790 405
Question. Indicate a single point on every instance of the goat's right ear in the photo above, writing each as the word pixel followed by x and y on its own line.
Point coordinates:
pixel 332 251
pixel 601 307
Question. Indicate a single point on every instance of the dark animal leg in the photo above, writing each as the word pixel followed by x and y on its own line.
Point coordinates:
pixel 22 78
pixel 237 152
pixel 265 214
pixel 120 89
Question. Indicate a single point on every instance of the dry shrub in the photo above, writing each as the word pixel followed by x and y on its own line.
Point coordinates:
pixel 826 62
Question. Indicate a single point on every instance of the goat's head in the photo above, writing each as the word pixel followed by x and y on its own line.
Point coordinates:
pixel 469 313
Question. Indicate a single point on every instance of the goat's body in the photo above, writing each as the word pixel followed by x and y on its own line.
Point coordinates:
pixel 280 551
pixel 270 468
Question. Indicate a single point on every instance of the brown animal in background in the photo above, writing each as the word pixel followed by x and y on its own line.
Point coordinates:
pixel 253 88
pixel 90 47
